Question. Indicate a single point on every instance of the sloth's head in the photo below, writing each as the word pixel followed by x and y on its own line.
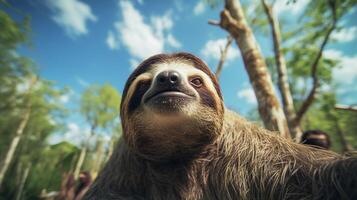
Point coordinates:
pixel 172 107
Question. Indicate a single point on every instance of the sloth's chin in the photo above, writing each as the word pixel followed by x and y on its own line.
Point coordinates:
pixel 169 102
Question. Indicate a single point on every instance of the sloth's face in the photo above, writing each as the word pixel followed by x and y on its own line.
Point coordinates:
pixel 174 89
pixel 171 102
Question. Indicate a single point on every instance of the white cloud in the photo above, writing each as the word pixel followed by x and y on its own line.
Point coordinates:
pixel 143 39
pixel 112 41
pixel 161 23
pixel 282 7
pixel 346 34
pixel 74 134
pixel 332 54
pixel 247 94
pixel 172 41
pixel 199 8
pixel 347 72
pixel 212 50
pixel 72 15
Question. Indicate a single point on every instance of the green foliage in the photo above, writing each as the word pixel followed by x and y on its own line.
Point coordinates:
pixel 12 33
pixel 303 43
pixel 300 47
pixel 47 170
pixel 100 105
pixel 16 72
pixel 323 116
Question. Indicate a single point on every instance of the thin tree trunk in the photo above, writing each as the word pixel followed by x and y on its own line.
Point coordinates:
pixel 233 21
pixel 97 162
pixel 283 83
pixel 223 57
pixel 80 161
pixel 18 175
pixel 346 147
pixel 18 135
pixel 111 148
pixel 83 154
pixel 23 181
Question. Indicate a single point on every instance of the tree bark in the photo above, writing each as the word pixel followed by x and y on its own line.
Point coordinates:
pixel 233 21
pixel 18 135
pixel 23 182
pixel 223 57
pixel 283 83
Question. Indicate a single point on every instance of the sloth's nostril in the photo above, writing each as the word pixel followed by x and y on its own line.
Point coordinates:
pixel 173 78
pixel 168 77
pixel 162 79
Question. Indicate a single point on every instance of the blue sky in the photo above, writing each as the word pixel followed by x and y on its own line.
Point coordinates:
pixel 77 43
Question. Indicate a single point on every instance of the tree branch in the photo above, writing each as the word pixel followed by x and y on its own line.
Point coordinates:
pixel 283 83
pixel 223 57
pixel 232 20
pixel 214 22
pixel 315 85
pixel 347 108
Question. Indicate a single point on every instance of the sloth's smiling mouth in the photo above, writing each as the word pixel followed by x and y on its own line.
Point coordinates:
pixel 170 96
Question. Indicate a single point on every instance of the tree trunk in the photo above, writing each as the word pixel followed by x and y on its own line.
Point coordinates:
pixel 97 162
pixel 18 135
pixel 80 161
pixel 23 181
pixel 283 83
pixel 346 147
pixel 83 154
pixel 111 149
pixel 233 21
pixel 223 57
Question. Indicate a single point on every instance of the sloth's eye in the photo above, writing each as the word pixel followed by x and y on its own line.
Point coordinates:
pixel 196 82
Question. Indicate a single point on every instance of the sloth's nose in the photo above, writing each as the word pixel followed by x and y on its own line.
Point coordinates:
pixel 172 78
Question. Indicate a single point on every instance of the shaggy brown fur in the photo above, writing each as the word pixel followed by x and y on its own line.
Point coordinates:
pixel 239 161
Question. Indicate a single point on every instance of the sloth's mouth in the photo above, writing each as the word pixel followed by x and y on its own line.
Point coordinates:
pixel 168 101
pixel 168 95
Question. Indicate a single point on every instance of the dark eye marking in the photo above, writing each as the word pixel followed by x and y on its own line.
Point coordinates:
pixel 207 98
pixel 138 94
pixel 196 81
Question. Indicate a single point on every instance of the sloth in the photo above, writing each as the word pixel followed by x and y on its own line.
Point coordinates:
pixel 181 142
